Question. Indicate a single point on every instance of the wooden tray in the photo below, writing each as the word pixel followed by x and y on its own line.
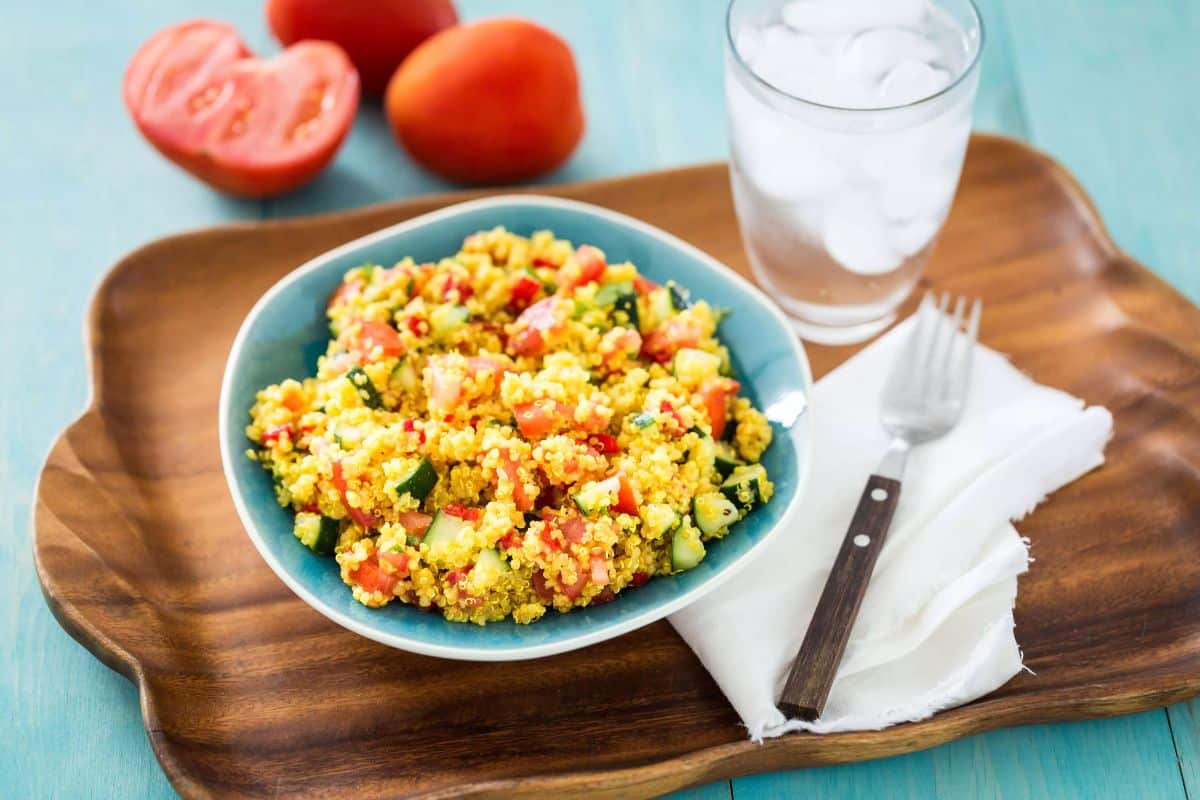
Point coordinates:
pixel 247 692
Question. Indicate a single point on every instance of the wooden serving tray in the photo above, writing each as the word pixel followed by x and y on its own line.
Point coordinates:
pixel 247 692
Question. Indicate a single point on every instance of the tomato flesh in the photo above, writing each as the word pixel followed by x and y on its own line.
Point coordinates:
pixel 380 335
pixel 247 126
pixel 365 521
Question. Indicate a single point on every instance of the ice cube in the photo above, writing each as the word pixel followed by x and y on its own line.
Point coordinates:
pixel 910 81
pixel 875 52
pixel 916 193
pixel 857 237
pixel 911 236
pixel 853 16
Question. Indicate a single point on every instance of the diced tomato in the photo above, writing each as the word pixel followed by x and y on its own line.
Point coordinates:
pixel 345 292
pixel 547 537
pixel 644 286
pixel 511 540
pixel 523 291
pixel 398 562
pixel 521 498
pixel 418 326
pixel 414 522
pixel 534 420
pixel 462 286
pixel 461 511
pixel 410 426
pixel 666 408
pixel 605 443
pixel 638 578
pixel 311 508
pixel 573 529
pixel 380 335
pixel 591 267
pixel 527 342
pixel 542 261
pixel 599 570
pixel 371 578
pixel 541 586
pixel 626 499
pixel 678 332
pixel 477 365
pixel 714 396
pixel 362 518
pixel 575 589
pixel 272 434
pixel 456 576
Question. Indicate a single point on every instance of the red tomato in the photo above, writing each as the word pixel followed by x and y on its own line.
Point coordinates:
pixel 626 499
pixel 371 578
pixel 638 578
pixel 345 292
pixel 511 540
pixel 533 420
pixel 677 332
pixel 379 334
pixel 376 34
pixel 523 291
pixel 573 590
pixel 714 395
pixel 591 267
pixel 462 512
pixel 397 561
pixel 541 586
pixel 573 529
pixel 365 521
pixel 250 127
pixel 605 443
pixel 599 570
pixel 643 286
pixel 414 522
pixel 521 498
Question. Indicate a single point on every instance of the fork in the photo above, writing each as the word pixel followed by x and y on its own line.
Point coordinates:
pixel 922 400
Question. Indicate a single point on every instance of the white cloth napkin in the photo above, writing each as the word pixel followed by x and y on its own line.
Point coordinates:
pixel 936 625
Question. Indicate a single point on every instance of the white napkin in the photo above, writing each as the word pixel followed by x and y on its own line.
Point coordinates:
pixel 936 625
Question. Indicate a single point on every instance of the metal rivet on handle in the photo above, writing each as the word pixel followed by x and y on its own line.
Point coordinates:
pixel 879 495
pixel 862 540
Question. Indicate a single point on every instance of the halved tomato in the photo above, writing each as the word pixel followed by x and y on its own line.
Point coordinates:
pixel 247 126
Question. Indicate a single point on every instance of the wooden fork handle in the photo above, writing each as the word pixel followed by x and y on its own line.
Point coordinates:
pixel 816 664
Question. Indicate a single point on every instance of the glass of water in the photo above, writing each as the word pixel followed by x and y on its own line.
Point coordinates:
pixel 848 122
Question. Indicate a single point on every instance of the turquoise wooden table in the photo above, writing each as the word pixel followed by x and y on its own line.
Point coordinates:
pixel 1107 86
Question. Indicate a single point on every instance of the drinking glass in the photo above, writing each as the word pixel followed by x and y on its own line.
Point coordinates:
pixel 848 121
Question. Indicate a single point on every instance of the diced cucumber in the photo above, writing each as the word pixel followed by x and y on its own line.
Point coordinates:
pixel 679 297
pixel 726 370
pixel 705 450
pixel 642 420
pixel 658 308
pixel 597 496
pixel 404 378
pixel 443 531
pixel 446 318
pixel 726 459
pixel 693 367
pixel 418 481
pixel 607 294
pixel 744 485
pixel 686 548
pixel 363 386
pixel 714 513
pixel 316 532
pixel 491 562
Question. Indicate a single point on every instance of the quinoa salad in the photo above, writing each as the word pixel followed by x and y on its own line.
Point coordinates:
pixel 517 427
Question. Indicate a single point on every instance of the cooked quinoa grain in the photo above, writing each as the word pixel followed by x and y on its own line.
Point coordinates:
pixel 518 427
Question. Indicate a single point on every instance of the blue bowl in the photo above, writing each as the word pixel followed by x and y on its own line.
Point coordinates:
pixel 286 331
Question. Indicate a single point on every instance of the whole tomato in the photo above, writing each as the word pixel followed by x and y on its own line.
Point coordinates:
pixel 489 102
pixel 247 126
pixel 376 34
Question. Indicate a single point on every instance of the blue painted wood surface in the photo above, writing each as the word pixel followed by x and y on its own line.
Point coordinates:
pixel 1107 86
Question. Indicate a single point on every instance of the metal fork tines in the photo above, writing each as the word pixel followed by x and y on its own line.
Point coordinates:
pixel 927 388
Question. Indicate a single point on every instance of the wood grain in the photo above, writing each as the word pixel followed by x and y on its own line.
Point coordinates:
pixel 246 692
pixel 811 675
